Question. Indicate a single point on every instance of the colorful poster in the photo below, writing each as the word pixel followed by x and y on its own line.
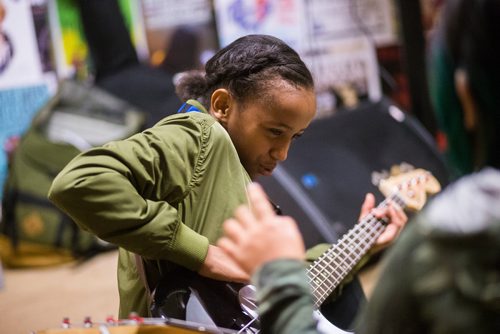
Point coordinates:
pixel 281 18
pixel 71 51
pixel 19 58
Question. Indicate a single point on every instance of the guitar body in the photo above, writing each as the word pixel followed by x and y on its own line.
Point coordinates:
pixel 188 296
pixel 201 300
pixel 325 326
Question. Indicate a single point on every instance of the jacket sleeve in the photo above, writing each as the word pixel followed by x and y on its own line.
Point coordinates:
pixel 284 298
pixel 127 192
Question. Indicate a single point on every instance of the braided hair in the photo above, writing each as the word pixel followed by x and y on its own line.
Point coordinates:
pixel 246 67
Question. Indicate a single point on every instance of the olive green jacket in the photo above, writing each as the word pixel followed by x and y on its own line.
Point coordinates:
pixel 162 194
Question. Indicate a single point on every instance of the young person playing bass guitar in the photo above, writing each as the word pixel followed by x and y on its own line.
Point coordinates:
pixel 163 194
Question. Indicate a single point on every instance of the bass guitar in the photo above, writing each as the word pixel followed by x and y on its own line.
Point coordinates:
pixel 216 303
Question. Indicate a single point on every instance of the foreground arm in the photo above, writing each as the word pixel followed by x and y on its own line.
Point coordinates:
pixel 270 248
pixel 284 297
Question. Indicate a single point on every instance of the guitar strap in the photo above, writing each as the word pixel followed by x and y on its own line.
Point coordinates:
pixel 149 275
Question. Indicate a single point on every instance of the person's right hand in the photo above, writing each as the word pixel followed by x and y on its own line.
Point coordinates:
pixel 257 235
pixel 393 213
pixel 218 265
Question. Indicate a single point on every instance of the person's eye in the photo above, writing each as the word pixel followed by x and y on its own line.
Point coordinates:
pixel 298 135
pixel 276 132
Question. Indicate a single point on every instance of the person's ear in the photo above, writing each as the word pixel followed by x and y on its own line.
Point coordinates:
pixel 467 101
pixel 220 105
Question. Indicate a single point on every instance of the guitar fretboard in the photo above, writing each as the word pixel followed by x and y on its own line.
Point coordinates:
pixel 326 273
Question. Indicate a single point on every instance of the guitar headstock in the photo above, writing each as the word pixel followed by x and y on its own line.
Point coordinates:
pixel 412 186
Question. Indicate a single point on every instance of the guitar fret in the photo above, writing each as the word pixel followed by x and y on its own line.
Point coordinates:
pixel 328 271
pixel 323 273
pixel 317 282
pixel 334 263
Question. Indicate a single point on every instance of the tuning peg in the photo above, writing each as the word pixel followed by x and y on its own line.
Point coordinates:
pixel 405 167
pixel 377 177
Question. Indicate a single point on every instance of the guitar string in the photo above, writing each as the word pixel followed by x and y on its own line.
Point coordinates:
pixel 367 221
pixel 319 290
pixel 322 290
pixel 373 229
pixel 339 260
pixel 247 326
pixel 370 226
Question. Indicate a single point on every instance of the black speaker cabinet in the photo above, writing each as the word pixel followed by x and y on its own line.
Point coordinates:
pixel 329 169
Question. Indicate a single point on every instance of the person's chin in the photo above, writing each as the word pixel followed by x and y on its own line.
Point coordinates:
pixel 266 172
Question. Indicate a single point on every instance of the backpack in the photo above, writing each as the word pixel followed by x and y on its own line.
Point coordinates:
pixel 33 231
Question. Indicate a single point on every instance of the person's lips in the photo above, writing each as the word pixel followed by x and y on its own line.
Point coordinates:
pixel 267 170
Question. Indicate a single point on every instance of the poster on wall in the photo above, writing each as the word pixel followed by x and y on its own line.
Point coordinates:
pixel 19 58
pixel 39 11
pixel 23 89
pixel 336 39
pixel 281 18
pixel 345 72
pixel 180 35
pixel 340 19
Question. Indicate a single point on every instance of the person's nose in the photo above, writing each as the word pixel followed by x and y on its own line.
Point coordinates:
pixel 280 151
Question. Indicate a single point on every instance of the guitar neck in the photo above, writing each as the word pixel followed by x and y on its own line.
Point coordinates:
pixel 330 269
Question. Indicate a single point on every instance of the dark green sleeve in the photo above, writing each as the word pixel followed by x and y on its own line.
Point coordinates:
pixel 391 307
pixel 285 301
pixel 127 191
